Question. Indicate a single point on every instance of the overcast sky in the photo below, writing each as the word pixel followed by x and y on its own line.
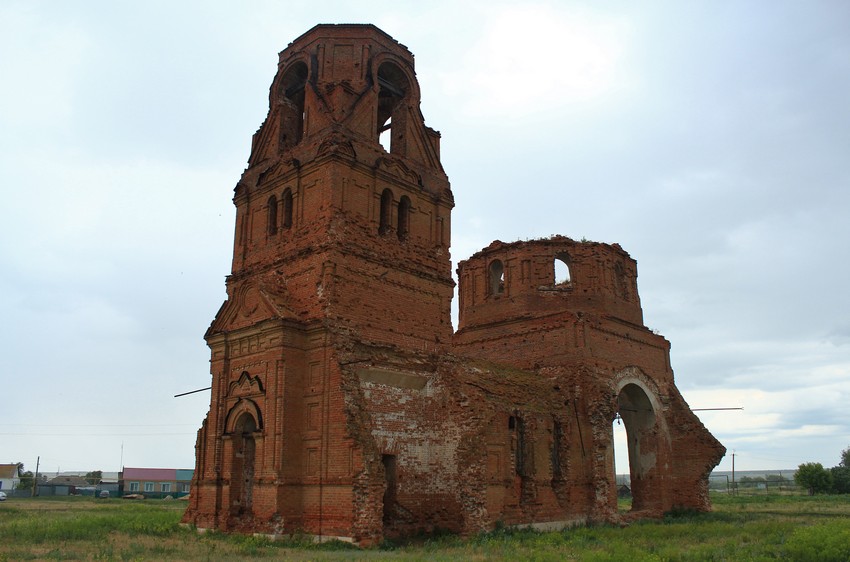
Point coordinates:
pixel 710 139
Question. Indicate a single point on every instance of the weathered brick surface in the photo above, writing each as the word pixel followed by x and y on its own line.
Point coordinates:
pixel 342 403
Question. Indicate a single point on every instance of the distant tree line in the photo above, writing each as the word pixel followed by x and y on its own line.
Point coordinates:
pixel 769 478
pixel 819 480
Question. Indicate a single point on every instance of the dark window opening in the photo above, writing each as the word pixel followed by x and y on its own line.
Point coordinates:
pixel 272 215
pixel 519 451
pixel 391 490
pixel 392 89
pixel 497 278
pixel 291 101
pixel 403 218
pixel 386 211
pixel 287 208
pixel 557 437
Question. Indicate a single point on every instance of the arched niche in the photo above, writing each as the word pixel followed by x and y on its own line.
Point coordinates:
pixel 403 229
pixel 272 215
pixel 385 216
pixel 287 208
pixel 242 463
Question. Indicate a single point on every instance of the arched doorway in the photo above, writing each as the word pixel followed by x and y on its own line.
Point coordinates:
pixel 244 452
pixel 646 444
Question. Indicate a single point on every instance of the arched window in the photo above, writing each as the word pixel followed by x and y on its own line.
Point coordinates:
pixel 403 217
pixel 386 211
pixel 291 101
pixel 563 276
pixel 272 215
pixel 287 208
pixel 496 278
pixel 392 88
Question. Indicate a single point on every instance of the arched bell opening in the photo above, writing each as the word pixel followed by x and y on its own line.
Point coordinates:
pixel 393 86
pixel 291 100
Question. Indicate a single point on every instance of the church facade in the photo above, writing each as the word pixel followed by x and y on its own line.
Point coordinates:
pixel 343 403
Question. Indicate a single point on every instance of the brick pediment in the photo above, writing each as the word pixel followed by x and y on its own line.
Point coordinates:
pixel 398 169
pixel 337 144
pixel 245 385
pixel 251 304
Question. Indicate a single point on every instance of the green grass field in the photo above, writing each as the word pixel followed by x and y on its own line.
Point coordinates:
pixel 739 528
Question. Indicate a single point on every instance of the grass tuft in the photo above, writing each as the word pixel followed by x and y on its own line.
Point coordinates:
pixel 827 543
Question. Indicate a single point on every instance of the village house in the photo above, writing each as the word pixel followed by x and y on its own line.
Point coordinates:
pixel 8 476
pixel 155 482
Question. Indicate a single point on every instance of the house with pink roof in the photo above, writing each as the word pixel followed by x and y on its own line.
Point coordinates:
pixel 155 482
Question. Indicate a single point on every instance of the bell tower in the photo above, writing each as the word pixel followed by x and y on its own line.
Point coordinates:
pixel 331 223
pixel 342 238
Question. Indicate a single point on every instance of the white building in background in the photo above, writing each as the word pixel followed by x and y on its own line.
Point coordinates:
pixel 8 476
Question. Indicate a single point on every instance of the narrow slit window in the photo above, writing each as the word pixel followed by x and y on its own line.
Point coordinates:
pixel 557 438
pixel 403 217
pixel 272 215
pixel 386 211
pixel 520 463
pixel 287 208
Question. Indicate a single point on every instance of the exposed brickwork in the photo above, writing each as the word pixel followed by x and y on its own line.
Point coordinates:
pixel 343 405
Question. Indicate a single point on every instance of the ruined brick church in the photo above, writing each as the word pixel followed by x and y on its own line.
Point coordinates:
pixel 344 405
